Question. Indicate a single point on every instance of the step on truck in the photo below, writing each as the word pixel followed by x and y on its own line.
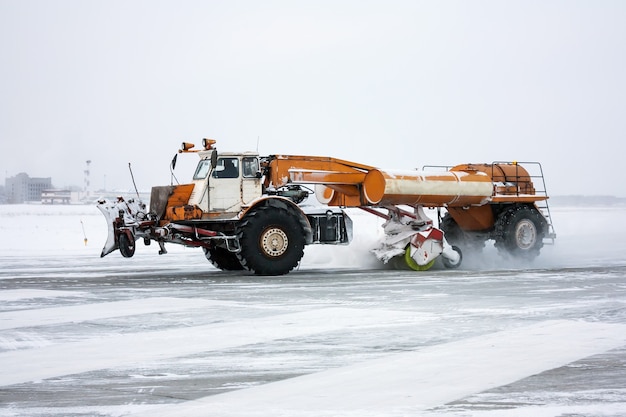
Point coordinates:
pixel 246 211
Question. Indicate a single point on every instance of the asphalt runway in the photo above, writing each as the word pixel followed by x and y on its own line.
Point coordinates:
pixel 165 336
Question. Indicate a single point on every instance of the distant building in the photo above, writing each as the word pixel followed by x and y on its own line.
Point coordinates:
pixel 22 188
pixel 56 196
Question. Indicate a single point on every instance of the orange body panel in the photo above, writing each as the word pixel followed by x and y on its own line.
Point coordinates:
pixel 512 198
pixel 177 208
pixel 180 195
pixel 314 170
pixel 342 199
pixel 473 218
pixel 185 212
pixel 342 179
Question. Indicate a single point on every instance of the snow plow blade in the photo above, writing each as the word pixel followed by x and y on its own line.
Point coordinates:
pixel 123 219
pixel 111 216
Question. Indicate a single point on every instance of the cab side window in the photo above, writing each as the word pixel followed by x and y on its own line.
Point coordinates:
pixel 250 167
pixel 226 168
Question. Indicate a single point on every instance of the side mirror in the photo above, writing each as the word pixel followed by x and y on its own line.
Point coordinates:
pixel 173 164
pixel 214 159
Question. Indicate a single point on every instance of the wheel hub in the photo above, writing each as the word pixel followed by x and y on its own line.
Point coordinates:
pixel 274 242
pixel 526 234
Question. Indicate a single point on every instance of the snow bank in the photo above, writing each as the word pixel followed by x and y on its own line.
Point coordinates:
pixel 584 236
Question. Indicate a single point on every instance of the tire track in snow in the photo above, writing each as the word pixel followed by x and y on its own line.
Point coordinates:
pixel 21 294
pixel 130 349
pixel 99 311
pixel 407 383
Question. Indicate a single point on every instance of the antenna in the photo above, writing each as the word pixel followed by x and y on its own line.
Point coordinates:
pixel 257 143
pixel 133 178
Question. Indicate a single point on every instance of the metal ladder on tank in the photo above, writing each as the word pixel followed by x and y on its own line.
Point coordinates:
pixel 538 179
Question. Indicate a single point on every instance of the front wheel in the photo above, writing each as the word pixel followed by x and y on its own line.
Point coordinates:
pixel 271 240
pixel 126 245
pixel 223 259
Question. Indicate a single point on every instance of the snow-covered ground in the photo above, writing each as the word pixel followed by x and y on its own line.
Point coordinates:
pixel 342 336
pixel 586 235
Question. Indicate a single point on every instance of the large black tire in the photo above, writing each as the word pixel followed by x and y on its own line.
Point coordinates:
pixel 223 259
pixel 126 245
pixel 271 240
pixel 467 242
pixel 519 232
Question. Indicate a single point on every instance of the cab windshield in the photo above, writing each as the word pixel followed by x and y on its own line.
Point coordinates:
pixel 202 170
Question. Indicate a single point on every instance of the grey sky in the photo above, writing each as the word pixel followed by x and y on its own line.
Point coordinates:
pixel 396 84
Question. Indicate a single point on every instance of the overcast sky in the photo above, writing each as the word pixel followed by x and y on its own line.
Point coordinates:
pixel 395 84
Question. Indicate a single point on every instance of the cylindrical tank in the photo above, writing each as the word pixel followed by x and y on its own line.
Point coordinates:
pixel 508 178
pixel 455 188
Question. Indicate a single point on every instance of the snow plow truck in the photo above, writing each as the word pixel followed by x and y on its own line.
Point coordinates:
pixel 245 210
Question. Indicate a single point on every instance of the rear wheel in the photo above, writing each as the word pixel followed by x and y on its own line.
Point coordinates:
pixel 126 245
pixel 271 240
pixel 520 231
pixel 223 259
